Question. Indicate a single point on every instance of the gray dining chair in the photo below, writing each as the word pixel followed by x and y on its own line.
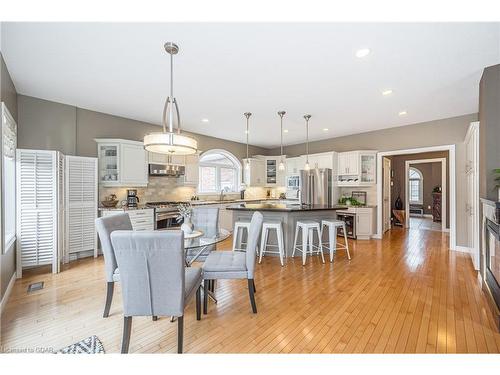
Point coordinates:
pixel 234 264
pixel 205 219
pixel 105 226
pixel 154 279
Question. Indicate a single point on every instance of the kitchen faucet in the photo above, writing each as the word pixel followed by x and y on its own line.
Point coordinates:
pixel 225 190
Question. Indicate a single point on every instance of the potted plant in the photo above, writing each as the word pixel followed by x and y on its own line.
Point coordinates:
pixel 185 212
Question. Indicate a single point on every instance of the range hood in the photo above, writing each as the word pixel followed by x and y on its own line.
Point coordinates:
pixel 166 170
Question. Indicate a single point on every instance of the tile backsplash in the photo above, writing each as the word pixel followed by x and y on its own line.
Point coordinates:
pixel 172 189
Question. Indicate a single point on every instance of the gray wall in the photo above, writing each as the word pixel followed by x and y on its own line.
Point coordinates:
pixel 489 131
pixel 48 125
pixel 8 95
pixel 433 133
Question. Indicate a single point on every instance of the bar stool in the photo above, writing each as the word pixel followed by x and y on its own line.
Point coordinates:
pixel 308 227
pixel 333 245
pixel 266 227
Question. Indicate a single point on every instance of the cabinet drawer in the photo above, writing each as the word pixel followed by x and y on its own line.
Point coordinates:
pixel 140 213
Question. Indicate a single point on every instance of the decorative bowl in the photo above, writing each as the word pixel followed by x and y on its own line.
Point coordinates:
pixel 109 203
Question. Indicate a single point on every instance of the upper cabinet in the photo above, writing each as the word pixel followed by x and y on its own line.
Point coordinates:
pixel 191 173
pixel 356 168
pixel 122 163
pixel 294 165
pixel 254 175
pixel 273 176
pixel 322 160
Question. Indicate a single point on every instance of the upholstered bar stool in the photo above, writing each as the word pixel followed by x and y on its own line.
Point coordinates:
pixel 333 245
pixel 307 227
pixel 267 226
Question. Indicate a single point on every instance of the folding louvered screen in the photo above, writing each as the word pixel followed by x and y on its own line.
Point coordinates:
pixel 37 229
pixel 80 206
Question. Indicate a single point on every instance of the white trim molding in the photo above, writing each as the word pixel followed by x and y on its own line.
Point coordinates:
pixel 452 163
pixel 7 293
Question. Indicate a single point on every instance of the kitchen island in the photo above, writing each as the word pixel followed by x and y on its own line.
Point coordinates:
pixel 288 214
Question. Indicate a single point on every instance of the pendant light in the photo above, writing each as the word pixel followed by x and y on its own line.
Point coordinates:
pixel 170 142
pixel 247 162
pixel 281 165
pixel 307 117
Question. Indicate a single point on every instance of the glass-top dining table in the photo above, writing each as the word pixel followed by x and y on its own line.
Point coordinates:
pixel 201 246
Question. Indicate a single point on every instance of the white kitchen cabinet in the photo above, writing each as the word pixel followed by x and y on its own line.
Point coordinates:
pixel 142 219
pixel 322 160
pixel 191 174
pixel 365 224
pixel 122 163
pixel 294 165
pixel 356 168
pixel 255 174
pixel 273 176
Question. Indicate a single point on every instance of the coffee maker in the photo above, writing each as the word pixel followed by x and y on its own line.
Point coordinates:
pixel 132 198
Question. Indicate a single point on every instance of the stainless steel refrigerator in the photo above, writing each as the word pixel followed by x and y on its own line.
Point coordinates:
pixel 316 186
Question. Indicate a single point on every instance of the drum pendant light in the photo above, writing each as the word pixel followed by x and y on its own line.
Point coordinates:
pixel 170 142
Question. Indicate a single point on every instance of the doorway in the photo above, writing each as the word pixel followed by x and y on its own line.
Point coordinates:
pixel 426 194
pixel 387 193
pixel 419 153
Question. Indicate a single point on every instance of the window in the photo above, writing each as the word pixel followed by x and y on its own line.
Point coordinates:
pixel 219 170
pixel 9 140
pixel 416 186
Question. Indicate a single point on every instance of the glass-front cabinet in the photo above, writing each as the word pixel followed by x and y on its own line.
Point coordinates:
pixel 108 155
pixel 368 170
pixel 122 163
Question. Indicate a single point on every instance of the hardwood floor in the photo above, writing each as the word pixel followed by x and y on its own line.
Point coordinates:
pixel 404 294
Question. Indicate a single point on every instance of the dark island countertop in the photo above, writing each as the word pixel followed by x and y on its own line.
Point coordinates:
pixel 279 207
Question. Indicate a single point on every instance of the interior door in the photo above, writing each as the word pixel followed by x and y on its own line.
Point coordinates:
pixel 387 194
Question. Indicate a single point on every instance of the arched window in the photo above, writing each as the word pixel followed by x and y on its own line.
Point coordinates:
pixel 416 188
pixel 219 170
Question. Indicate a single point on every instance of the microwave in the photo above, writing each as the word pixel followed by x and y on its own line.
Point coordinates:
pixel 292 182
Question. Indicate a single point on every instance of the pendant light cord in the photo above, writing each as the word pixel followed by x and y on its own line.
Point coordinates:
pixel 247 115
pixel 281 114
pixel 307 117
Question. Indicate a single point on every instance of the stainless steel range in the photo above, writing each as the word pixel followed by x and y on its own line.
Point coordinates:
pixel 165 214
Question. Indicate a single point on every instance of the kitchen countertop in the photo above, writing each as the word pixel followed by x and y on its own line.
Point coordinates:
pixel 194 203
pixel 278 207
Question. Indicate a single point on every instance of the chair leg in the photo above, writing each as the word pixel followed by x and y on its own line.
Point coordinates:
pixel 155 318
pixel 198 303
pixel 109 298
pixel 304 246
pixel 295 240
pixel 127 328
pixel 180 333
pixel 254 288
pixel 205 296
pixel 263 244
pixel 235 238
pixel 281 247
pixel 252 296
pixel 320 246
pixel 332 236
pixel 346 243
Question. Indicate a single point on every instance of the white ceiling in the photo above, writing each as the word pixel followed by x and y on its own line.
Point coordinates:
pixel 223 70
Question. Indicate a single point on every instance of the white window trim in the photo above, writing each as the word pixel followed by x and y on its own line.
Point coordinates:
pixel 236 166
pixel 420 187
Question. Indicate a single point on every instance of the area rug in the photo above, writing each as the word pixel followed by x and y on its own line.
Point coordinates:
pixel 90 345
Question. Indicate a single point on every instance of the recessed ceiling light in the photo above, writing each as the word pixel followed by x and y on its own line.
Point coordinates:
pixel 402 113
pixel 387 92
pixel 204 120
pixel 285 130
pixel 325 129
pixel 363 52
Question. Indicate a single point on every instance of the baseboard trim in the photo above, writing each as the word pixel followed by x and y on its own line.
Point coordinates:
pixel 6 296
pixel 462 249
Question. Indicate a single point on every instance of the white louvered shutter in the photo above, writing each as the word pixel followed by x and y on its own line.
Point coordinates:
pixel 80 205
pixel 37 209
